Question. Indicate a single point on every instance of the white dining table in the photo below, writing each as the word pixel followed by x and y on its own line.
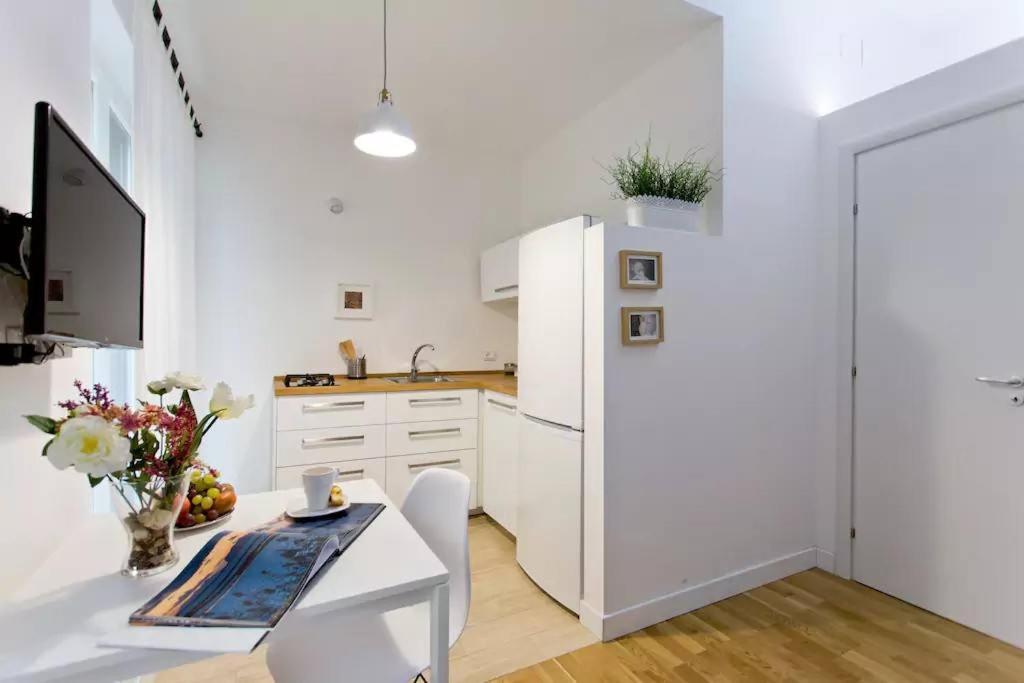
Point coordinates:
pixel 77 598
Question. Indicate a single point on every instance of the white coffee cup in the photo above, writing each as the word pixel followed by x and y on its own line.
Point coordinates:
pixel 317 482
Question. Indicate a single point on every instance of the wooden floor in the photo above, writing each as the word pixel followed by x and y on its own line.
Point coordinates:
pixel 810 627
pixel 512 624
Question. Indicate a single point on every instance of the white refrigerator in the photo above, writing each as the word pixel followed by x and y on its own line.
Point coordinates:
pixel 550 507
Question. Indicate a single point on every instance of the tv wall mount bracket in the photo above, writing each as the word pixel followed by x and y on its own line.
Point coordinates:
pixel 15 234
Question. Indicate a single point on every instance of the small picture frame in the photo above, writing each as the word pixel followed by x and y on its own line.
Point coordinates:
pixel 355 302
pixel 640 269
pixel 643 325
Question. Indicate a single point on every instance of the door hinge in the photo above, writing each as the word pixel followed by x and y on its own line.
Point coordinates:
pixel 853 371
pixel 853 532
pixel 856 209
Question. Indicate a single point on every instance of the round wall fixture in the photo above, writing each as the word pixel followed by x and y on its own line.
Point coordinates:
pixel 335 205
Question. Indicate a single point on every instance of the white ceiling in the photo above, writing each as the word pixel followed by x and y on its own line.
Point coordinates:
pixel 501 72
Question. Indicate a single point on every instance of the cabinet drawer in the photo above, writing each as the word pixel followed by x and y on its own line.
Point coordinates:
pixel 423 406
pixel 431 437
pixel 330 410
pixel 314 446
pixel 291 477
pixel 402 470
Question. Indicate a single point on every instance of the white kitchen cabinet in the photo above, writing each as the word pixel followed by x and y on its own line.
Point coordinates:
pixel 499 458
pixel 329 410
pixel 499 271
pixel 333 444
pixel 431 437
pixel 430 406
pixel 374 468
pixel 389 437
pixel 403 469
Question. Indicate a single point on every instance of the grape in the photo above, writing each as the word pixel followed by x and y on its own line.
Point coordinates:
pixel 197 500
pixel 207 503
pixel 213 493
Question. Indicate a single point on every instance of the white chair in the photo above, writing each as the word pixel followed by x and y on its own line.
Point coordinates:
pixel 395 646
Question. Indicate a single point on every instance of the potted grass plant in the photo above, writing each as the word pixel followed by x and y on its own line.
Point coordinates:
pixel 659 192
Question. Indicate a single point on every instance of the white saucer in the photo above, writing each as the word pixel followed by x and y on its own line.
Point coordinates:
pixel 297 509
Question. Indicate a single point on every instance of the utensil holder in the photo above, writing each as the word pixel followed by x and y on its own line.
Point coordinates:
pixel 357 368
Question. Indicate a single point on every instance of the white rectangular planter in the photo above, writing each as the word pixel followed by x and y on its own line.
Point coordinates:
pixel 660 212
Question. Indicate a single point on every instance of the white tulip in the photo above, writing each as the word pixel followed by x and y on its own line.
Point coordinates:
pixel 90 444
pixel 226 406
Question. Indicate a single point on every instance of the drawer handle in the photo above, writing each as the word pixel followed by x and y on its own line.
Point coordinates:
pixel 428 432
pixel 333 406
pixel 499 403
pixel 331 439
pixel 506 288
pixel 436 463
pixel 421 401
pixel 348 473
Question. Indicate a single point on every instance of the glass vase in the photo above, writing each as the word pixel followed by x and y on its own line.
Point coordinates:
pixel 148 512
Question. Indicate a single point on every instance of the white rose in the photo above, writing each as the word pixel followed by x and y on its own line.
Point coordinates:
pixel 180 380
pixel 224 403
pixel 176 380
pixel 90 443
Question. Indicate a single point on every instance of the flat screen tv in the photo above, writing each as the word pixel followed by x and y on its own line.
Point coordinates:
pixel 87 245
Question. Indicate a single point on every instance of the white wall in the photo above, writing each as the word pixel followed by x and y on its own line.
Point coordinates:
pixel 977 79
pixel 733 487
pixel 678 100
pixel 44 55
pixel 270 256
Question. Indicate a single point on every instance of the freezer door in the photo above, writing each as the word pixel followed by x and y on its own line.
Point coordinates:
pixel 551 322
pixel 549 515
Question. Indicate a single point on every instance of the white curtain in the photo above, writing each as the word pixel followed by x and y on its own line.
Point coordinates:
pixel 165 186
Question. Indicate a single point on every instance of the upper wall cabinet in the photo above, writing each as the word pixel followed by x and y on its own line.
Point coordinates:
pixel 499 271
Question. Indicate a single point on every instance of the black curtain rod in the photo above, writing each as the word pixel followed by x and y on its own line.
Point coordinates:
pixel 165 36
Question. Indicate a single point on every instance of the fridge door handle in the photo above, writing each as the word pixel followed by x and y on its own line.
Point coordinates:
pixel 549 423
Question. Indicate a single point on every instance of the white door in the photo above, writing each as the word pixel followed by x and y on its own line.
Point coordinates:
pixel 551 322
pixel 500 457
pixel 939 456
pixel 549 516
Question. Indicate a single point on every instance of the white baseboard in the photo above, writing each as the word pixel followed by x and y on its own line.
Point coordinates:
pixel 591 619
pixel 610 626
pixel 826 561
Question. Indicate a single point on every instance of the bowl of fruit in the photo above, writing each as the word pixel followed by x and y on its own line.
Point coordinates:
pixel 209 500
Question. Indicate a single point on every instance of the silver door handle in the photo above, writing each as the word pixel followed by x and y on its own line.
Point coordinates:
pixel 428 432
pixel 499 403
pixel 332 406
pixel 331 439
pixel 507 288
pixel 1013 381
pixel 438 463
pixel 348 473
pixel 420 401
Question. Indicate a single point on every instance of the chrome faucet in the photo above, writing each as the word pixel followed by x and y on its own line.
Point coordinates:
pixel 414 373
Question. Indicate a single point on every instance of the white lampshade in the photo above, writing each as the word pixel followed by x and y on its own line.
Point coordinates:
pixel 385 133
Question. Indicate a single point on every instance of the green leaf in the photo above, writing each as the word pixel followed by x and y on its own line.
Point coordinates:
pixel 94 481
pixel 47 447
pixel 43 423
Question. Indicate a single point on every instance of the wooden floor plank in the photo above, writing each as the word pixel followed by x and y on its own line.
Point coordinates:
pixel 812 627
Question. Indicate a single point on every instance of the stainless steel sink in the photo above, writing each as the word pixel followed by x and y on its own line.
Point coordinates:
pixel 423 379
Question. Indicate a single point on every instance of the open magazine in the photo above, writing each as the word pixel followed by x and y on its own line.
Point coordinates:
pixel 251 578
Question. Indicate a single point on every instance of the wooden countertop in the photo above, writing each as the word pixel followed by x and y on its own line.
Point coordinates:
pixel 492 381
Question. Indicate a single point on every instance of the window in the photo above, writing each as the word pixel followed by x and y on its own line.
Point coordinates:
pixel 113 101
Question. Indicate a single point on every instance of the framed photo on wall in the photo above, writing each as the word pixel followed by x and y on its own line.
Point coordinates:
pixel 355 302
pixel 643 325
pixel 640 269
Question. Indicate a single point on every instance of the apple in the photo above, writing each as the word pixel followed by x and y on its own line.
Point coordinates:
pixel 186 507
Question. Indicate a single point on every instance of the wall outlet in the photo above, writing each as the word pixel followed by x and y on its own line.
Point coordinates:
pixel 490 356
